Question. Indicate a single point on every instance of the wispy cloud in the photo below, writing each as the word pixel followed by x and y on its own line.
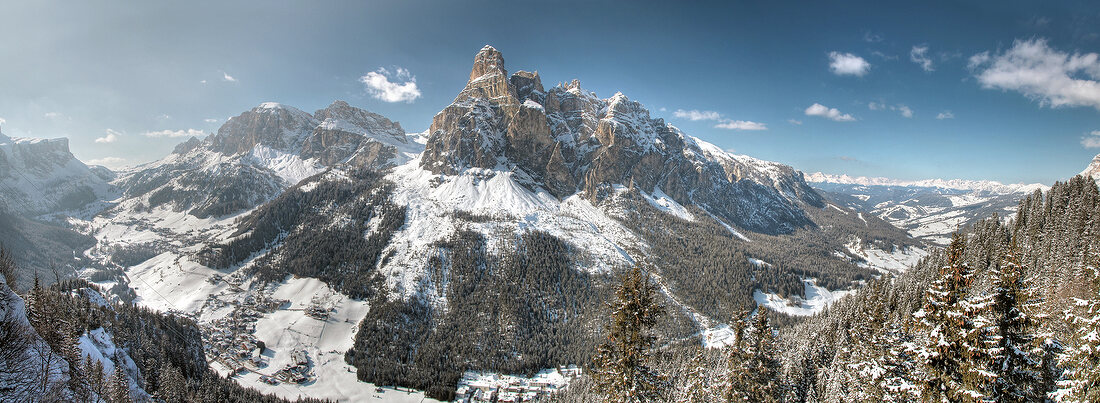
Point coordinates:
pixel 1034 69
pixel 399 86
pixel 919 55
pixel 795 122
pixel 695 115
pixel 901 108
pixel 111 137
pixel 1092 140
pixel 723 123
pixel 741 125
pixel 828 113
pixel 848 64
pixel 210 120
pixel 225 77
pixel 54 115
pixel 175 133
pixel 109 162
pixel 871 37
pixel 945 115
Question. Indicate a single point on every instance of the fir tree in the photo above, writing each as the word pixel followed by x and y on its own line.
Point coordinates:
pixel 738 379
pixel 696 382
pixel 952 356
pixel 762 362
pixel 1017 360
pixel 622 363
pixel 1081 359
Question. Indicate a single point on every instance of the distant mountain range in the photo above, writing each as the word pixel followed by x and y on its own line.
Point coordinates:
pixel 928 209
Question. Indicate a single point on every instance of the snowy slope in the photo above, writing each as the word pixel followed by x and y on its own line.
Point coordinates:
pixel 39 176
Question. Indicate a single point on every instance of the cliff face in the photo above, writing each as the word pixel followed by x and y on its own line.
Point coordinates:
pixel 566 140
pixel 39 176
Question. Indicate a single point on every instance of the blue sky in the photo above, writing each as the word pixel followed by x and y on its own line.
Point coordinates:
pixel 1019 80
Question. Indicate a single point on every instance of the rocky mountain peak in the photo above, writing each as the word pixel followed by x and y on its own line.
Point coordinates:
pixel 270 124
pixel 341 116
pixel 566 140
pixel 488 61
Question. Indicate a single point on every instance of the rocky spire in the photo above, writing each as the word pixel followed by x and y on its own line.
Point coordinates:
pixel 489 79
pixel 488 61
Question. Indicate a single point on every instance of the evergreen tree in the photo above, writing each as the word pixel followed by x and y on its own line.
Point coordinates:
pixel 696 382
pixel 1081 359
pixel 1017 359
pixel 173 387
pixel 118 387
pixel 952 356
pixel 738 379
pixel 622 363
pixel 762 362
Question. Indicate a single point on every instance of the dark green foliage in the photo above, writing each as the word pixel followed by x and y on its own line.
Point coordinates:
pixel 523 310
pixel 622 368
pixel 709 267
pixel 297 225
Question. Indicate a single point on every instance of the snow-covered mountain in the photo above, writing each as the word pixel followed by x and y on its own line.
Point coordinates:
pixel 517 206
pixel 928 209
pixel 260 153
pixel 39 176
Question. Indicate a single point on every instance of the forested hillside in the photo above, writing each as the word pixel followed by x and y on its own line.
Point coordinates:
pixel 1007 312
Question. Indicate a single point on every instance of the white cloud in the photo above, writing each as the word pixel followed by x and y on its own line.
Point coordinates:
pixel 225 77
pixel 2 121
pixel 723 123
pixel 879 106
pixel 741 125
pixel 919 55
pixel 202 82
pixel 53 115
pixel 871 37
pixel 111 137
pixel 663 109
pixel 905 111
pixel 695 115
pixel 945 115
pixel 109 162
pixel 795 122
pixel 828 113
pixel 1092 140
pixel 1042 73
pixel 847 64
pixel 401 89
pixel 210 120
pixel 176 133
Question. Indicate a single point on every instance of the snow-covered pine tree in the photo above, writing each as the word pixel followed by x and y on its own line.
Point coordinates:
pixel 1081 357
pixel 762 362
pixel 1017 357
pixel 173 386
pixel 737 378
pixel 622 368
pixel 696 383
pixel 952 355
pixel 118 387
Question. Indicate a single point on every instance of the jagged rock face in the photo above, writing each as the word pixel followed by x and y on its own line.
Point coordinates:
pixel 567 140
pixel 273 125
pixel 40 176
pixel 349 135
pixel 258 154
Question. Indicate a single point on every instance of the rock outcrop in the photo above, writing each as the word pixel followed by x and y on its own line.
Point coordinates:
pixel 566 140
pixel 40 176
